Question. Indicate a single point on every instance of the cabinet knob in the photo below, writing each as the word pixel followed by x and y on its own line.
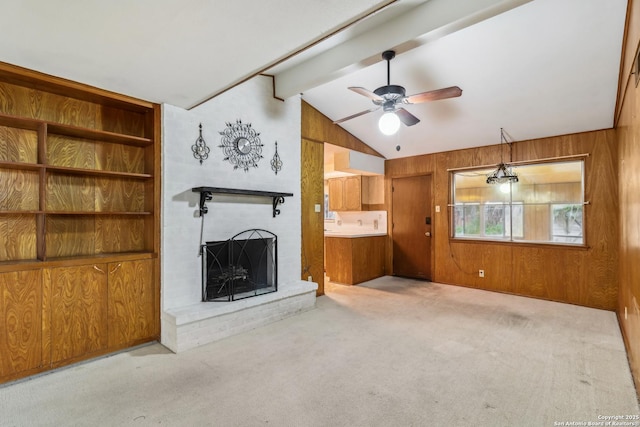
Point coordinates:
pixel 428 234
pixel 99 269
pixel 116 268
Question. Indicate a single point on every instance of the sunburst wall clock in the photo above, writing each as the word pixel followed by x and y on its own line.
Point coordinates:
pixel 241 145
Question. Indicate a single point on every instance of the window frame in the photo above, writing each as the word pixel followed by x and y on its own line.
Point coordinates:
pixel 483 237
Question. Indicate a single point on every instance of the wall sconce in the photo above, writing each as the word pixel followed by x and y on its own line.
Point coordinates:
pixel 276 162
pixel 200 149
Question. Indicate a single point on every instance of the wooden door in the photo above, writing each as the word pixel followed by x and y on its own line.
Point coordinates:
pixel 411 229
pixel 78 311
pixel 131 304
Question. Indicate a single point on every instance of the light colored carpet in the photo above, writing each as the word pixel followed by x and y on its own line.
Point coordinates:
pixel 391 352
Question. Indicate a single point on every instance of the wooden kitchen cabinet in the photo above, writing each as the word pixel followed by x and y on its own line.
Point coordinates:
pixel 353 260
pixel 356 193
pixel 352 193
pixel 345 194
pixel 373 193
pixel 336 194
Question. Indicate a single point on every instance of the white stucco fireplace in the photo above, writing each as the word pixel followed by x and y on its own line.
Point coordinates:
pixel 187 321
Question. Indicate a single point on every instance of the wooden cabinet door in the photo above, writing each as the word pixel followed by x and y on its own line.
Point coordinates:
pixel 373 191
pixel 352 193
pixel 78 311
pixel 350 261
pixel 368 258
pixel 336 197
pixel 132 306
pixel 21 317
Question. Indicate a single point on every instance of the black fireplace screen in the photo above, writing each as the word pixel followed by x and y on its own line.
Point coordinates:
pixel 244 266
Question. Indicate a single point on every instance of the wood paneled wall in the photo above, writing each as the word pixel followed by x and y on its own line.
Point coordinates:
pixel 581 276
pixel 319 128
pixel 628 132
pixel 316 129
pixel 312 193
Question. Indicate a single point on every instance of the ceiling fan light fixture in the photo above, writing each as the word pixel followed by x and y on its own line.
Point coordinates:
pixel 392 97
pixel 389 123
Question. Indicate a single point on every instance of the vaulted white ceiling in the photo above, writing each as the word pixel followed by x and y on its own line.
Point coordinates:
pixel 536 68
pixel 542 68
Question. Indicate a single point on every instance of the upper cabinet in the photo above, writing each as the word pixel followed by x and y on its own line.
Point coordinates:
pixel 355 193
pixel 352 193
pixel 345 194
pixel 355 180
pixel 336 194
pixel 373 192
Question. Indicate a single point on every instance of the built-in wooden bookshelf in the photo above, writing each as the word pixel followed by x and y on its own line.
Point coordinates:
pixel 79 221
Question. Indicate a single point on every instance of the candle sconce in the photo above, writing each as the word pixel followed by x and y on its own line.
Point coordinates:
pixel 200 149
pixel 276 162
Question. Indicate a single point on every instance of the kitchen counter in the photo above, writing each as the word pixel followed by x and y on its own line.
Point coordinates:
pixel 353 233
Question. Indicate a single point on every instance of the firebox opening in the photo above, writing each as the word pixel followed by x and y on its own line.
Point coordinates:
pixel 244 266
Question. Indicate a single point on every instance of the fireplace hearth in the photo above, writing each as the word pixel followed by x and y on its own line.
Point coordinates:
pixel 243 266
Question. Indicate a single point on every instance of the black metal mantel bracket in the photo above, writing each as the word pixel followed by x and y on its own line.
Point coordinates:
pixel 206 194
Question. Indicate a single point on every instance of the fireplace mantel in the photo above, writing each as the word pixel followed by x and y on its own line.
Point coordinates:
pixel 206 194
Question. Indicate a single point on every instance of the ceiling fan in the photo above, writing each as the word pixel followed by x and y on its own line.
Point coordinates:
pixel 390 97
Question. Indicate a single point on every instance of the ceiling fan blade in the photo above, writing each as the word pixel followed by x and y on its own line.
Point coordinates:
pixel 434 95
pixel 406 117
pixel 367 93
pixel 353 116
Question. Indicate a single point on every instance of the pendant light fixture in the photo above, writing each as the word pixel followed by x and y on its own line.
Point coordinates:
pixel 503 173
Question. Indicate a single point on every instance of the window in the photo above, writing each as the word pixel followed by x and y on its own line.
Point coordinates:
pixel 567 223
pixel 498 217
pixel 328 215
pixel 544 206
pixel 467 219
pixel 494 220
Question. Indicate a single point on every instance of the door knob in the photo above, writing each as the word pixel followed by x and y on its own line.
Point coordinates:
pixel 428 234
